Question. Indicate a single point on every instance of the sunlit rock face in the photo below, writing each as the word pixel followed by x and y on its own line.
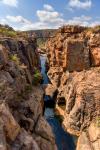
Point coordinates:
pixel 69 49
pixel 74 68
pixel 90 139
pixel 22 125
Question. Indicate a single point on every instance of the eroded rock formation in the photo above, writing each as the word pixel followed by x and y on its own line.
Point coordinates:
pixel 22 125
pixel 74 68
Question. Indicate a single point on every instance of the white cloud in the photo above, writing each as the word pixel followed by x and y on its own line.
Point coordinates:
pixel 47 18
pixel 21 23
pixel 13 3
pixel 17 19
pixel 50 16
pixel 82 20
pixel 95 23
pixel 48 7
pixel 80 4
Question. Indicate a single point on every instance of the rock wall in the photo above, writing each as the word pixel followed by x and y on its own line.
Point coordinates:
pixel 74 71
pixel 22 125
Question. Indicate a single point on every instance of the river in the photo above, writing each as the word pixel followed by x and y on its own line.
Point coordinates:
pixel 64 140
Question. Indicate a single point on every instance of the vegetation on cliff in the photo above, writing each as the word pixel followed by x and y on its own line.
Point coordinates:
pixel 21 96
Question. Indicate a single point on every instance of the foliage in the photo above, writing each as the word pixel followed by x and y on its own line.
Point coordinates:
pixel 15 59
pixel 36 77
pixel 41 43
pixel 7 32
pixel 95 29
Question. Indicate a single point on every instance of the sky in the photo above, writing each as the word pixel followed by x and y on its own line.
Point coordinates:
pixel 47 14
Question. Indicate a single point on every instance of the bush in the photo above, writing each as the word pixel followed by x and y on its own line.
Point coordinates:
pixel 15 59
pixel 8 33
pixel 37 77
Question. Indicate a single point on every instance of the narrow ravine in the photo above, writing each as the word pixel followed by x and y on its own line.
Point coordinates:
pixel 64 140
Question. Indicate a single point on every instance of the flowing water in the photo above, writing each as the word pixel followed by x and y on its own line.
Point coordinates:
pixel 64 140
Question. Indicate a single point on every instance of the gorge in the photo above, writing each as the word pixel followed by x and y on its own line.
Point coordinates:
pixel 49 116
pixel 63 140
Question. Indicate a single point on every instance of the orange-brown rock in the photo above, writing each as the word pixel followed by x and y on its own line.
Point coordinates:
pixel 71 29
pixel 95 49
pixel 74 67
pixel 50 90
pixel 82 99
pixel 69 49
pixel 54 75
pixel 74 48
pixel 90 139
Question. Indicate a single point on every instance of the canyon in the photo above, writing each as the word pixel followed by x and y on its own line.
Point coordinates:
pixel 74 71
pixel 72 84
pixel 22 124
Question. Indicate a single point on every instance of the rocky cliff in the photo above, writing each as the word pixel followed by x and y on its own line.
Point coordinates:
pixel 74 72
pixel 22 125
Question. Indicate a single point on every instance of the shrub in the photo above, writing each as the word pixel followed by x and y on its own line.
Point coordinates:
pixel 7 32
pixel 15 59
pixel 37 77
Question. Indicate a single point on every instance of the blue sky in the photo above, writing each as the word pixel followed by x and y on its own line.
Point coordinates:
pixel 41 14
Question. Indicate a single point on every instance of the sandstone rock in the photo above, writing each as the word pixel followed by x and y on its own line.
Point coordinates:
pixel 10 125
pixel 44 144
pixel 54 75
pixel 28 76
pixel 94 131
pixel 71 54
pixel 91 139
pixel 25 50
pixel 3 145
pixel 44 130
pixel 50 90
pixel 69 51
pixel 71 29
pixel 22 102
pixel 95 56
pixel 3 56
pixel 26 142
pixel 77 55
pixel 83 142
pixel 81 100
